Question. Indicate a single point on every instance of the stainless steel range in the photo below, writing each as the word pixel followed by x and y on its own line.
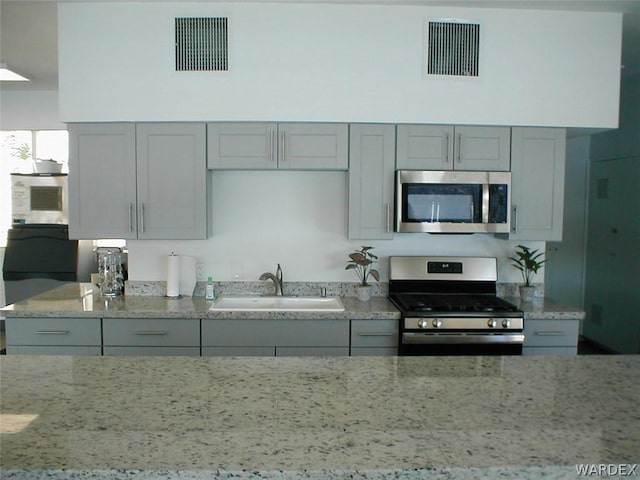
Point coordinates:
pixel 449 307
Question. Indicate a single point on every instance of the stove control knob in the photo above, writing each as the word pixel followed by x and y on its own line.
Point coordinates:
pixel 506 323
pixel 437 323
pixel 423 323
pixel 492 323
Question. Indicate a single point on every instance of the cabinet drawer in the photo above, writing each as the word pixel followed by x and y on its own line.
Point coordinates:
pixel 312 351
pixel 238 351
pixel 275 333
pixel 530 351
pixel 53 331
pixel 551 333
pixel 57 350
pixel 151 332
pixel 374 351
pixel 153 351
pixel 374 333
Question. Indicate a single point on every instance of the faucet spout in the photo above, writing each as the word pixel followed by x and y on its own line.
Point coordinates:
pixel 277 279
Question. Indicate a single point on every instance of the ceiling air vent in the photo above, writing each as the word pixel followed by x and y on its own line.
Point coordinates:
pixel 202 44
pixel 453 48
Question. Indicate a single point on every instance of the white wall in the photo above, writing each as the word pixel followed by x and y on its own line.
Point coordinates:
pixel 29 110
pixel 329 62
pixel 297 219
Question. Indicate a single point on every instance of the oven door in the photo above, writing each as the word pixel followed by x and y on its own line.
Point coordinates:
pixel 430 344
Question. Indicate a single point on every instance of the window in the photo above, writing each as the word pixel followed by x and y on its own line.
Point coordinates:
pixel 19 151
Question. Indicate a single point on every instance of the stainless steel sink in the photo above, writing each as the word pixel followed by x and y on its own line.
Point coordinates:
pixel 257 303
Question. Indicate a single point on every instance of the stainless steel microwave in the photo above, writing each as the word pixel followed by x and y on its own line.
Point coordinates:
pixel 452 201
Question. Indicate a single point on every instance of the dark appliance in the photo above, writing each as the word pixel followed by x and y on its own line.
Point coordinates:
pixel 449 307
pixel 38 257
pixel 452 201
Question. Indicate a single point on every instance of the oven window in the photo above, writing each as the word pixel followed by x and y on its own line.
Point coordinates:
pixel 442 203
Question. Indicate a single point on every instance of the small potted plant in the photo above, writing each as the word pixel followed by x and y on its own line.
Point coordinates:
pixel 361 261
pixel 528 262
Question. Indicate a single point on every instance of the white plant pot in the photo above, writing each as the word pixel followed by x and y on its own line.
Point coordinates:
pixel 527 293
pixel 364 293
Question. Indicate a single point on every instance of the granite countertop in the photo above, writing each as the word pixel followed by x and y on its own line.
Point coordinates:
pixel 83 300
pixel 316 418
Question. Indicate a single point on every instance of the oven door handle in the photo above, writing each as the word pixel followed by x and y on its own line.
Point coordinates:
pixel 461 338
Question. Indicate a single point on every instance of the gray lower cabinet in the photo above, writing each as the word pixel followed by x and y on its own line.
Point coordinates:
pixel 53 336
pixel 279 337
pixel 371 177
pixel 374 337
pixel 551 337
pixel 157 336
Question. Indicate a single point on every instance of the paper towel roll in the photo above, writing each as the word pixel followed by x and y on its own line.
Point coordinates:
pixel 173 275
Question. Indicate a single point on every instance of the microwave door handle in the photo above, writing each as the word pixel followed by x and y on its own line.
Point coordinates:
pixel 485 203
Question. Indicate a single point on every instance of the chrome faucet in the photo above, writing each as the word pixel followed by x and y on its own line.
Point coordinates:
pixel 277 279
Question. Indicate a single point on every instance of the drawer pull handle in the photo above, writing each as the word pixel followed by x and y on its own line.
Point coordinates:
pixel 52 332
pixel 375 334
pixel 151 332
pixel 550 334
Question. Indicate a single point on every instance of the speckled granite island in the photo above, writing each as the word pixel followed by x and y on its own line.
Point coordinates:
pixel 316 418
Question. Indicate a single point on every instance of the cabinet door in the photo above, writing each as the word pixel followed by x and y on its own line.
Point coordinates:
pixel 102 180
pixel 275 333
pixel 537 183
pixel 38 350
pixel 313 146
pixel 312 351
pixel 242 146
pixel 238 351
pixel 172 181
pixel 482 148
pixel 371 171
pixel 424 147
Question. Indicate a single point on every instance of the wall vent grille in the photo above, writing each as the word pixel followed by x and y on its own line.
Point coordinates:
pixel 453 48
pixel 202 44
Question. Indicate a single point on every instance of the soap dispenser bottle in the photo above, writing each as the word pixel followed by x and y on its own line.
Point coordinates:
pixel 209 292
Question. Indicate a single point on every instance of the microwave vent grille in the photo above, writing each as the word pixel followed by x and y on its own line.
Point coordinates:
pixel 453 48
pixel 202 43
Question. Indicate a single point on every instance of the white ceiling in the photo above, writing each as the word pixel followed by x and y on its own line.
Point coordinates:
pixel 28 30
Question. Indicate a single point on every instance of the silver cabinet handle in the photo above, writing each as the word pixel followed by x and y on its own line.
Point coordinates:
pixel 272 156
pixel 446 148
pixel 388 218
pixel 459 148
pixel 283 150
pixel 142 218
pixel 151 332
pixel 550 334
pixel 130 216
pixel 52 332
pixel 514 220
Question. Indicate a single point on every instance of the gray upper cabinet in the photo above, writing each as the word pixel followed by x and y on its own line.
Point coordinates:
pixel 263 146
pixel 172 181
pixel 144 181
pixel 371 176
pixel 102 180
pixel 445 147
pixel 537 183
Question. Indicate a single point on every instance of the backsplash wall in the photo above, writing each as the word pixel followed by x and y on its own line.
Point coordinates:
pixel 297 219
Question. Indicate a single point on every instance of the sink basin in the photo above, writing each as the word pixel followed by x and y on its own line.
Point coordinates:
pixel 281 304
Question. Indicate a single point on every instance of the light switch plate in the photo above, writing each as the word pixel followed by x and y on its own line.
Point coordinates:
pixel 201 273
